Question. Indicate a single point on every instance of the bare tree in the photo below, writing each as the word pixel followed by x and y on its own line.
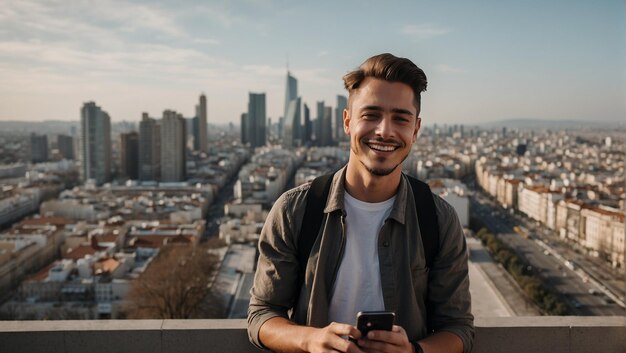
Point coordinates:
pixel 176 286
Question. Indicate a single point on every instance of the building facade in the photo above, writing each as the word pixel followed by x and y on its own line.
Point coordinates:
pixel 130 155
pixel 149 148
pixel 256 120
pixel 200 134
pixel 173 161
pixel 96 143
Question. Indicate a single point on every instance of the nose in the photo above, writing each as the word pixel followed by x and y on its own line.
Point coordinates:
pixel 384 128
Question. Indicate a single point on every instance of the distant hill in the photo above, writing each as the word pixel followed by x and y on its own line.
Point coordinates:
pixel 50 126
pixel 554 124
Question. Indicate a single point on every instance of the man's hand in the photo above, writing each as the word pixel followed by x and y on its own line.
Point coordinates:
pixel 394 341
pixel 282 335
pixel 331 338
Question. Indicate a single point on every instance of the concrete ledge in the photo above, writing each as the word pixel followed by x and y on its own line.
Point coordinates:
pixel 541 334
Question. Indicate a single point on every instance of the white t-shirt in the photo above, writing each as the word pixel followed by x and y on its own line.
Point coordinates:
pixel 357 286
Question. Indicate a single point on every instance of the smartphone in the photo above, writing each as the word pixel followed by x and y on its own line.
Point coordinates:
pixel 367 321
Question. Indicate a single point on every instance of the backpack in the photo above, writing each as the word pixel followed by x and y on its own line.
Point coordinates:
pixel 314 213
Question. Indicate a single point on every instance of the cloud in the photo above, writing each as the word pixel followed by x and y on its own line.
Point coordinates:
pixel 322 53
pixel 206 41
pixel 424 31
pixel 450 69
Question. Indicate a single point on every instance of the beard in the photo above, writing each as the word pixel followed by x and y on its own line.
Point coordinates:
pixel 380 171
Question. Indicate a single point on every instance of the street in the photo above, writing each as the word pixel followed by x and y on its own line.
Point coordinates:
pixel 552 260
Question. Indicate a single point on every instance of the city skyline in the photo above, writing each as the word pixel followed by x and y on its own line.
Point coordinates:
pixel 485 62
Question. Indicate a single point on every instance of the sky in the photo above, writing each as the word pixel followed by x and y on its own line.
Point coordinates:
pixel 485 60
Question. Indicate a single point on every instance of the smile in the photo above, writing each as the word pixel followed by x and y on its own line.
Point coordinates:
pixel 382 148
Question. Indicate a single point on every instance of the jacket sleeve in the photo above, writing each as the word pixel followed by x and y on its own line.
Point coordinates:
pixel 449 296
pixel 273 292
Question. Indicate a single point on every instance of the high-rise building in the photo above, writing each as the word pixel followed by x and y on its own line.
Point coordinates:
pixel 130 155
pixel 245 138
pixel 173 161
pixel 256 119
pixel 291 136
pixel 149 148
pixel 308 128
pixel 319 117
pixel 291 91
pixel 326 134
pixel 96 143
pixel 342 103
pixel 201 134
pixel 38 148
pixel 292 117
pixel 65 144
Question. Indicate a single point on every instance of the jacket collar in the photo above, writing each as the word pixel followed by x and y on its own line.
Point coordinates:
pixel 337 189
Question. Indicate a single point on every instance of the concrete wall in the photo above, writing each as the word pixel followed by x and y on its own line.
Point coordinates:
pixel 511 335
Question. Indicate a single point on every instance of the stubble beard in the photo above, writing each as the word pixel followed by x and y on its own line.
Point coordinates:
pixel 379 171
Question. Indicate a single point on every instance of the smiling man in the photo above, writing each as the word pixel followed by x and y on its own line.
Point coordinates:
pixel 370 250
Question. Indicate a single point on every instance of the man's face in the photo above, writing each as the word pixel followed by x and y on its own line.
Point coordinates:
pixel 382 123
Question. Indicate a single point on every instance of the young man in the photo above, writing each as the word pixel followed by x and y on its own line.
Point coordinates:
pixel 369 254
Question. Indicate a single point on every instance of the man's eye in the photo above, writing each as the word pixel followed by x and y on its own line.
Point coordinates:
pixel 370 116
pixel 401 119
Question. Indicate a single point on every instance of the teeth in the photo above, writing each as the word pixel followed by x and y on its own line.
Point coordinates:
pixel 383 148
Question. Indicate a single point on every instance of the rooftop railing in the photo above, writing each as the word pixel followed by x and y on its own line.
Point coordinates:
pixel 511 335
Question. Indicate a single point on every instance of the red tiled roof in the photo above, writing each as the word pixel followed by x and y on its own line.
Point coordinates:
pixel 107 265
pixel 81 251
pixel 436 183
pixel 57 221
pixel 107 238
pixel 42 274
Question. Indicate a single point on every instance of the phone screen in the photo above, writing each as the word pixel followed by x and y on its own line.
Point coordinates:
pixel 367 321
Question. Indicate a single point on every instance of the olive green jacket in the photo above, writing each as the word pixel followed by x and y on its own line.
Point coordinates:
pixel 408 286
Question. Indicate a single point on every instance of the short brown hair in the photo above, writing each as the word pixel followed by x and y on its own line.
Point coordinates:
pixel 390 68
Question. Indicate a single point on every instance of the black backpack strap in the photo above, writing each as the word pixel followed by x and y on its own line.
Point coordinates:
pixel 427 218
pixel 312 221
pixel 429 228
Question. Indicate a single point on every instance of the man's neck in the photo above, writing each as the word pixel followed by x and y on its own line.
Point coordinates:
pixel 364 186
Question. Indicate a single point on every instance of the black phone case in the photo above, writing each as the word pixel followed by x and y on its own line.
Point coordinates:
pixel 374 320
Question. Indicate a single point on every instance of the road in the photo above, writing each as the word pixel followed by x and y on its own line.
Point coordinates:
pixel 585 297
pixel 216 209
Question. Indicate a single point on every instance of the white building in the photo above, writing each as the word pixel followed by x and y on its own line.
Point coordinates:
pixel 455 193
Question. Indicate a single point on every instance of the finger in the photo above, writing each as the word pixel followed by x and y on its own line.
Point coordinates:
pixel 345 330
pixel 395 338
pixel 398 329
pixel 372 351
pixel 340 344
pixel 374 346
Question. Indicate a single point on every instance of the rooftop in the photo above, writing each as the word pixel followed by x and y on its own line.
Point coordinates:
pixel 543 334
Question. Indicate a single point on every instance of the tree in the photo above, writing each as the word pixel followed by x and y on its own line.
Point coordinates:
pixel 176 286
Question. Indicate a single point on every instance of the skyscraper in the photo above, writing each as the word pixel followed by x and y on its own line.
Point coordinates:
pixel 308 128
pixel 291 114
pixel 291 91
pixel 319 117
pixel 326 127
pixel 291 137
pixel 96 143
pixel 65 144
pixel 173 159
pixel 149 148
pixel 256 119
pixel 130 155
pixel 201 135
pixel 338 134
pixel 245 137
pixel 38 148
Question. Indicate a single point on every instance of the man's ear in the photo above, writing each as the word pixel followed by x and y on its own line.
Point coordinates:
pixel 418 125
pixel 346 121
